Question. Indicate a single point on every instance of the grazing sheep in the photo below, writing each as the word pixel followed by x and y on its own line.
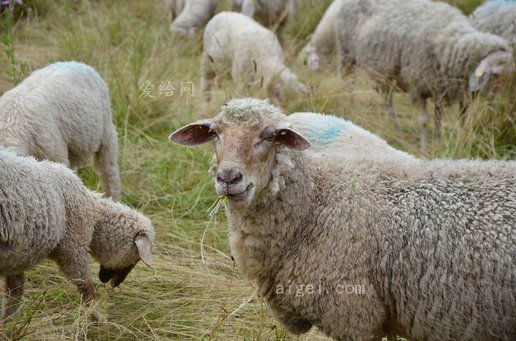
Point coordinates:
pixel 175 7
pixel 252 53
pixel 322 42
pixel 496 17
pixel 45 211
pixel 361 247
pixel 195 15
pixel 270 13
pixel 329 134
pixel 62 113
pixel 426 48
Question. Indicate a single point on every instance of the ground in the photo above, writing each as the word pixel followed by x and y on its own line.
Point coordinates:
pixel 150 76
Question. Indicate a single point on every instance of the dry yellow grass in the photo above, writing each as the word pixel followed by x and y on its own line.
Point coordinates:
pixel 181 297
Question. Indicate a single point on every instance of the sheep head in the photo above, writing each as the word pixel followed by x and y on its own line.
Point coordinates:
pixel 494 64
pixel 246 135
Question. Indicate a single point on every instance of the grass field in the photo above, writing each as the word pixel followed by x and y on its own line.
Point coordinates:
pixel 182 296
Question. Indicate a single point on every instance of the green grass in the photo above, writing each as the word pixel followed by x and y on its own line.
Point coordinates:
pixel 128 42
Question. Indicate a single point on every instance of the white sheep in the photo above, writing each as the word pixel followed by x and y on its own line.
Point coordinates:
pixel 322 41
pixel 359 247
pixel 426 48
pixel 194 16
pixel 251 53
pixel 62 113
pixel 273 14
pixel 330 134
pixel 46 212
pixel 496 17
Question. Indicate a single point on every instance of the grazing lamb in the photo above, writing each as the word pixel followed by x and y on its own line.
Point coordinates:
pixel 431 54
pixel 329 134
pixel 45 211
pixel 195 15
pixel 251 52
pixel 361 247
pixel 496 17
pixel 273 14
pixel 62 113
pixel 322 42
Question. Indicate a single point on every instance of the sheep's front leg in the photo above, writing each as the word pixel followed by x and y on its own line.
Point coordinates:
pixel 207 76
pixel 421 108
pixel 106 164
pixel 438 112
pixel 74 266
pixel 13 292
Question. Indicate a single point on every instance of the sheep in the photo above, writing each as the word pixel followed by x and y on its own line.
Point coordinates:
pixel 496 17
pixel 322 41
pixel 273 14
pixel 195 15
pixel 361 247
pixel 330 134
pixel 175 7
pixel 62 113
pixel 252 53
pixel 46 212
pixel 426 48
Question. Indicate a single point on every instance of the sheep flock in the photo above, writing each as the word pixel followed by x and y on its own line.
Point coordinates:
pixel 318 204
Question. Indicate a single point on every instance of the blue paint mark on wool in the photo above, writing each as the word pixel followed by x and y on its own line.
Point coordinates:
pixel 326 129
pixel 71 66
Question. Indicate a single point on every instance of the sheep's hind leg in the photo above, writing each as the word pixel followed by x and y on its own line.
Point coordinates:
pixel 438 112
pixel 421 108
pixel 207 76
pixel 13 292
pixel 106 165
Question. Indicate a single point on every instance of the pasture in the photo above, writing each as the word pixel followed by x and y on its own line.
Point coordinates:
pixel 193 290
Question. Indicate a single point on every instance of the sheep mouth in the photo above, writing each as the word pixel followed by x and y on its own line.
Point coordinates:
pixel 114 276
pixel 240 197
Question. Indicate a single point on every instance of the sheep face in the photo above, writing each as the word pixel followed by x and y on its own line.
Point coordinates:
pixel 246 135
pixel 489 69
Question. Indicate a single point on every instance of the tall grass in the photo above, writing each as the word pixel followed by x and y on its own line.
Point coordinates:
pixel 180 297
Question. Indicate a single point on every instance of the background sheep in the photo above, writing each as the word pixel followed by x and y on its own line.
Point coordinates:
pixel 496 17
pixel 195 15
pixel 251 52
pixel 426 247
pixel 62 113
pixel 270 13
pixel 175 7
pixel 322 42
pixel 432 55
pixel 47 212
pixel 329 134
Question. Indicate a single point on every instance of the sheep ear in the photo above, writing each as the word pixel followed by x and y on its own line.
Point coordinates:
pixel 291 139
pixel 193 134
pixel 5 249
pixel 144 248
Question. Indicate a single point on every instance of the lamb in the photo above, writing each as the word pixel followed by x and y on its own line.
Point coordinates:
pixel 322 42
pixel 330 134
pixel 273 14
pixel 252 53
pixel 194 16
pixel 361 247
pixel 62 113
pixel 431 55
pixel 496 17
pixel 46 211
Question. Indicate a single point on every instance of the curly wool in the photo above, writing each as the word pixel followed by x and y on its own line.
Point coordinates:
pixel 496 17
pixel 426 246
pixel 62 113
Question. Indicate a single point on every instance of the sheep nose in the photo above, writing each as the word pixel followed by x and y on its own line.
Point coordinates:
pixel 229 176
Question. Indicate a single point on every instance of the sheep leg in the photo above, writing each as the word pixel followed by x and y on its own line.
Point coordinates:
pixel 438 110
pixel 421 108
pixel 106 164
pixel 13 292
pixel 74 266
pixel 207 76
pixel 388 94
